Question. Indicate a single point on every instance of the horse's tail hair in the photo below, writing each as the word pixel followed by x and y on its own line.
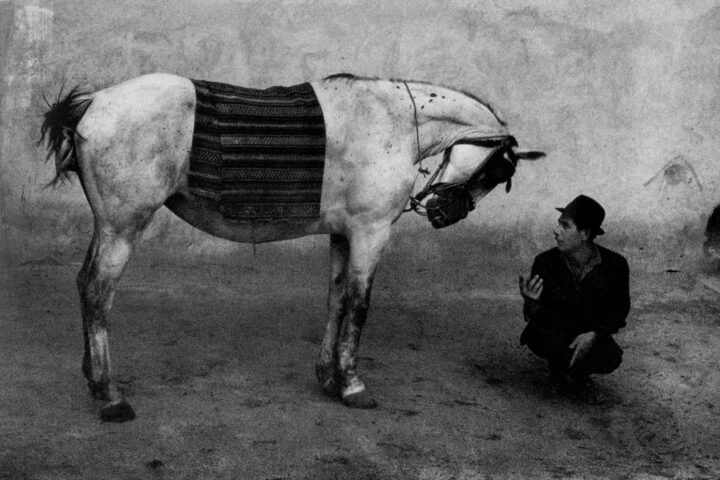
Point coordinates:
pixel 59 131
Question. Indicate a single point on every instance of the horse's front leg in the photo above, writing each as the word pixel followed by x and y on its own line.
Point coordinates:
pixel 105 261
pixel 365 249
pixel 327 367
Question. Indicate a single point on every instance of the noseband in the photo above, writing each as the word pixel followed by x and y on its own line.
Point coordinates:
pixel 502 151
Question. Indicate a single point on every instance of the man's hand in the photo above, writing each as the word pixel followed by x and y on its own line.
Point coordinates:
pixel 532 288
pixel 581 346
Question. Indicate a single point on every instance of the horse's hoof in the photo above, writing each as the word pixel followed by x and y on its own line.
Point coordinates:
pixel 331 388
pixel 330 380
pixel 99 391
pixel 361 400
pixel 117 412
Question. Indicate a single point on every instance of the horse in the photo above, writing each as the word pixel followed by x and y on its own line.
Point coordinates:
pixel 130 146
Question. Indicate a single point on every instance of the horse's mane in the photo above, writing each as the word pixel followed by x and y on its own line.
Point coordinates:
pixel 484 102
pixel 351 78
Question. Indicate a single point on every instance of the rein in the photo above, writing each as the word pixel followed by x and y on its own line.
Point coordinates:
pixel 415 204
pixel 422 170
pixel 429 188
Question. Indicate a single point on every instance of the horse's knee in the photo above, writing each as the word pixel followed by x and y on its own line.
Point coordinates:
pixel 96 279
pixel 82 279
pixel 359 308
pixel 359 291
pixel 112 257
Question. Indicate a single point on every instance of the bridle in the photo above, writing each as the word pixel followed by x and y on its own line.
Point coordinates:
pixel 502 148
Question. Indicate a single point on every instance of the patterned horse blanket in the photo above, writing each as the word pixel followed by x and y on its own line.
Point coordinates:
pixel 258 155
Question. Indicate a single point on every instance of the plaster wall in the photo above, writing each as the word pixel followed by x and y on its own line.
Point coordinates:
pixel 623 96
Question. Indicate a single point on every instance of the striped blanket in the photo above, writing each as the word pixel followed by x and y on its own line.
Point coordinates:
pixel 258 155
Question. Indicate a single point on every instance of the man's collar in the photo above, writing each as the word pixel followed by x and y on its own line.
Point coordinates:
pixel 580 270
pixel 594 256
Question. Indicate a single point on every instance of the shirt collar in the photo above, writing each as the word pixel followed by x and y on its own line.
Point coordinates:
pixel 579 271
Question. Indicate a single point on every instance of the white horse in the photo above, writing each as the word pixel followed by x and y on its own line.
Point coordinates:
pixel 130 147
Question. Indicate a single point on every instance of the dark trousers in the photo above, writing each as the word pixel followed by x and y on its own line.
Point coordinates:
pixel 552 344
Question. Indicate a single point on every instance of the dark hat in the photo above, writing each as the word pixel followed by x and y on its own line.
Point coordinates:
pixel 586 213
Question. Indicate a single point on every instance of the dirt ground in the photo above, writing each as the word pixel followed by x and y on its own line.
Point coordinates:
pixel 218 362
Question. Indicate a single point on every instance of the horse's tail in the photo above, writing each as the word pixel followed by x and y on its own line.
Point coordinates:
pixel 58 130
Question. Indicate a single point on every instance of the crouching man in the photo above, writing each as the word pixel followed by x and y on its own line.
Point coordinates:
pixel 576 298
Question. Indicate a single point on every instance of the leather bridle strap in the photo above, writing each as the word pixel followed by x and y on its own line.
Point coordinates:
pixel 417 129
pixel 415 200
pixel 500 143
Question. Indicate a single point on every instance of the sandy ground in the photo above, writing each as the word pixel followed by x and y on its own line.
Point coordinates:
pixel 218 362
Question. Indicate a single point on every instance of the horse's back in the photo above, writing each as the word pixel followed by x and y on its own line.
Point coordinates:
pixel 152 84
pixel 151 97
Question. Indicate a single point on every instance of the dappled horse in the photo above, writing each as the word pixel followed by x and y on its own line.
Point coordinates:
pixel 347 153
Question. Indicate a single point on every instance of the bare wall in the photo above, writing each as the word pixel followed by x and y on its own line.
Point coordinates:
pixel 623 96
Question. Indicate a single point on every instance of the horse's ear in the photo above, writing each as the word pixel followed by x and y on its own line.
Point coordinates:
pixel 529 154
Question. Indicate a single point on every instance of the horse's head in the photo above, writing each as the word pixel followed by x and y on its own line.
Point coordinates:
pixel 470 170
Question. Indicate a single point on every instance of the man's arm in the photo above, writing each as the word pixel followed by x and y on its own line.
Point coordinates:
pixel 609 313
pixel 531 290
pixel 581 345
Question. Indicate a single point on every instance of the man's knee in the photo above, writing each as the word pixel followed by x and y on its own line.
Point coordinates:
pixel 548 344
pixel 605 356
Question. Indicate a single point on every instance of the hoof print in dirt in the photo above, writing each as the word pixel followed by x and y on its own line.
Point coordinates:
pixel 361 400
pixel 117 412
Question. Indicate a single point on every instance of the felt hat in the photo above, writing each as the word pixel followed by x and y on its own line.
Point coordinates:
pixel 586 213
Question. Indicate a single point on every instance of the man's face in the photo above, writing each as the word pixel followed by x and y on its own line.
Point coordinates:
pixel 567 235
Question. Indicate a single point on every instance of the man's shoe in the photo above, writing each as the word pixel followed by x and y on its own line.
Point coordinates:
pixel 559 382
pixel 579 383
pixel 584 390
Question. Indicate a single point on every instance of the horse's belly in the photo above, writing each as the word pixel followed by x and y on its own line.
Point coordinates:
pixel 203 215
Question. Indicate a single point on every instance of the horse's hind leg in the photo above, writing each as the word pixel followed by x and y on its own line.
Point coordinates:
pixel 327 367
pixel 132 150
pixel 105 261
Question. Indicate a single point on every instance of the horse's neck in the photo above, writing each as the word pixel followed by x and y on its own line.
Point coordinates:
pixel 389 110
pixel 445 116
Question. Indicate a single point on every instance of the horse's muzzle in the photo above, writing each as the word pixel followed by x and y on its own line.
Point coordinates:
pixel 449 206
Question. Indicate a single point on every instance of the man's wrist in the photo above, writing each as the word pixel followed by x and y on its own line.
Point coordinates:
pixel 531 303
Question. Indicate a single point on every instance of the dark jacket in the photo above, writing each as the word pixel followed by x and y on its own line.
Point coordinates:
pixel 600 302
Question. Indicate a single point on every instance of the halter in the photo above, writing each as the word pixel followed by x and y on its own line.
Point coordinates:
pixel 502 145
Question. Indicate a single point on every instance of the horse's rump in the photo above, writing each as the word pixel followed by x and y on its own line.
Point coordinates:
pixel 258 154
